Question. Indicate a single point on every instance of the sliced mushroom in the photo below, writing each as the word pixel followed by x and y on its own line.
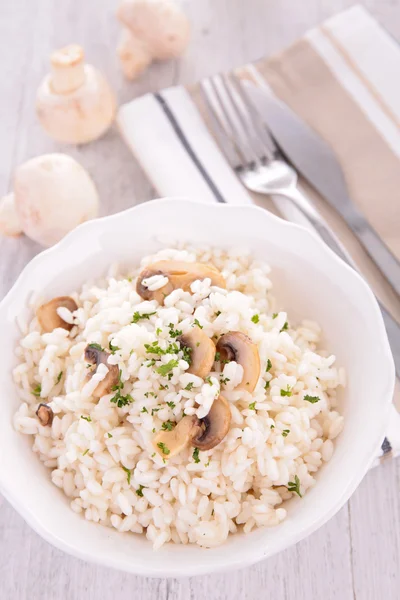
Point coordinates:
pixel 237 346
pixel 202 353
pixel 170 443
pixel 204 434
pixel 96 356
pixel 45 414
pixel 215 425
pixel 48 317
pixel 180 276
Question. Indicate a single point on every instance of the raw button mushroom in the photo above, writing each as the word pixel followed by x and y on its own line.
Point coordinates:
pixel 52 195
pixel 96 356
pixel 48 316
pixel 153 30
pixel 204 433
pixel 237 346
pixel 74 102
pixel 202 353
pixel 45 415
pixel 180 275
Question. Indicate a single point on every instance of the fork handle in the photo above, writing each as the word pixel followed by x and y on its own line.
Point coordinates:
pixel 329 237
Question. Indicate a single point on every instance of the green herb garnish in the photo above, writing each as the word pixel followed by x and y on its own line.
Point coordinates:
pixel 195 455
pixel 171 404
pixel 196 322
pixel 285 432
pixel 287 392
pixel 285 327
pixel 189 386
pixel 255 318
pixel 163 387
pixel 113 349
pixel 139 491
pixel 109 435
pixel 275 315
pixel 187 354
pixel 294 486
pixel 209 380
pixel 88 418
pixel 144 410
pixel 217 313
pixel 165 369
pixel 164 449
pixel 269 366
pixel 128 474
pixel 168 426
pixel 224 380
pixel 252 406
pixel 137 316
pixel 59 376
pixel 312 399
pixel 96 347
pixel 217 356
pixel 174 333
pixel 86 451
pixel 155 410
pixel 37 390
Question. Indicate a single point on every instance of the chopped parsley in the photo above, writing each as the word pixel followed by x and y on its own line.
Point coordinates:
pixel 168 426
pixel 195 455
pixel 285 327
pixel 187 354
pixel 147 394
pixel 294 486
pixel 144 410
pixel 137 316
pixel 269 366
pixel 174 333
pixel 171 405
pixel 287 392
pixel 165 369
pixel 272 427
pixel 96 347
pixel 86 451
pixel 88 418
pixel 255 318
pixel 224 380
pixel 113 348
pixel 37 390
pixel 209 380
pixel 274 315
pixel 217 356
pixel 151 363
pixel 59 377
pixel 189 386
pixel 164 449
pixel 128 474
pixel 266 386
pixel 252 406
pixel 285 432
pixel 109 435
pixel 196 322
pixel 155 410
pixel 217 313
pixel 158 330
pixel 139 491
pixel 121 400
pixel 163 387
pixel 312 399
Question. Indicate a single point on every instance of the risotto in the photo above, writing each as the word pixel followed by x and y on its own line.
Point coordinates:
pixel 178 400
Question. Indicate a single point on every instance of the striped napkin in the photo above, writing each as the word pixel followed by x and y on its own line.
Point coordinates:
pixel 343 72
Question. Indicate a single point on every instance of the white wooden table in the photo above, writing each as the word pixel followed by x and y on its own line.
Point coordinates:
pixel 357 554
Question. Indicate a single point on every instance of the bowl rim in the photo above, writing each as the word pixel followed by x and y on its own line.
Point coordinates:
pixel 258 551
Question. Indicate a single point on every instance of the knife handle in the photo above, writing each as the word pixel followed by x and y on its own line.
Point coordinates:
pixel 329 237
pixel 384 259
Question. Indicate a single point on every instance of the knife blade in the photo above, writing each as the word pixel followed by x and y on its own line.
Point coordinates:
pixel 315 160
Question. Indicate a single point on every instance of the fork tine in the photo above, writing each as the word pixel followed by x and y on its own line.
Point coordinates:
pixel 253 119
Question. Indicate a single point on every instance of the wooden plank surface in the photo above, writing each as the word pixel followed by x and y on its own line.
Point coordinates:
pixel 357 554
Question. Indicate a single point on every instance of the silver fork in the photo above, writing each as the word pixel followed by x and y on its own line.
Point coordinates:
pixel 258 162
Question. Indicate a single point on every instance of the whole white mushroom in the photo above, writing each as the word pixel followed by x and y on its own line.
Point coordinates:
pixel 52 195
pixel 153 30
pixel 74 103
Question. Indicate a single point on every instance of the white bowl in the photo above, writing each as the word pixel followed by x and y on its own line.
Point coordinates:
pixel 310 282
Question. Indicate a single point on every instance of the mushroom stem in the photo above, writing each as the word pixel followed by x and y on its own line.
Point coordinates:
pixel 9 220
pixel 67 69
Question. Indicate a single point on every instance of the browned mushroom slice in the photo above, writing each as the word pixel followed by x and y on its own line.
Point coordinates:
pixel 95 355
pixel 215 426
pixel 48 316
pixel 202 351
pixel 170 443
pixel 204 434
pixel 237 346
pixel 45 415
pixel 180 276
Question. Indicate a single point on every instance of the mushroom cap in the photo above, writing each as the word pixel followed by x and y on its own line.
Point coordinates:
pixel 159 24
pixel 237 346
pixel 215 425
pixel 9 221
pixel 133 54
pixel 180 275
pixel 74 103
pixel 53 194
pixel 48 317
pixel 202 351
pixel 45 414
pixel 177 439
pixel 95 357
